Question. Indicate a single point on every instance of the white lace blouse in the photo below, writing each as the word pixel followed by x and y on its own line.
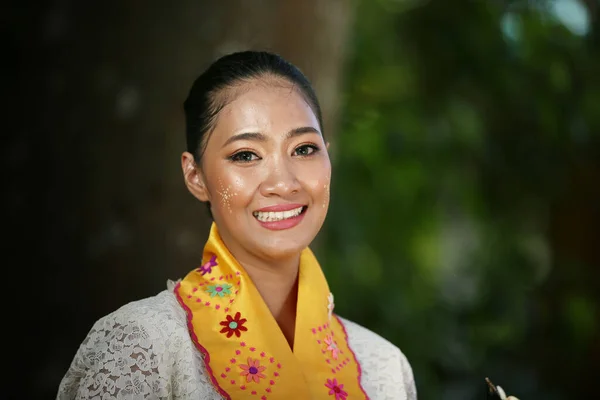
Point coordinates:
pixel 144 351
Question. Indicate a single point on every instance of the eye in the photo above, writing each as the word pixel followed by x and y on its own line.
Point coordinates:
pixel 244 157
pixel 306 150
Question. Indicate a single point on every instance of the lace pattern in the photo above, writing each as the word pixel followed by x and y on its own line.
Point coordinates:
pixel 144 351
pixel 386 373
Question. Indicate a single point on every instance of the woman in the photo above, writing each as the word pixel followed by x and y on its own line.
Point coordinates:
pixel 255 319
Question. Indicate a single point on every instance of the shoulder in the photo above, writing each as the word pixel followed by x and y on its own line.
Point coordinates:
pixel 156 313
pixel 145 341
pixel 371 345
pixel 153 320
pixel 386 372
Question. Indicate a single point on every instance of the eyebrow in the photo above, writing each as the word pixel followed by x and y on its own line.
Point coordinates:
pixel 259 137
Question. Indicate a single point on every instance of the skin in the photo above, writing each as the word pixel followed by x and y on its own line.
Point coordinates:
pixel 283 161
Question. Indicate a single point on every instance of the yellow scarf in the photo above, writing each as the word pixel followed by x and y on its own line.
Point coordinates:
pixel 245 352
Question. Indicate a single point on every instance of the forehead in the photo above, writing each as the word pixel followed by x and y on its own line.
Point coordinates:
pixel 271 108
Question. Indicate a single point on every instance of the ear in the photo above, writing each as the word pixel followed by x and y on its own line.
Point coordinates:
pixel 193 178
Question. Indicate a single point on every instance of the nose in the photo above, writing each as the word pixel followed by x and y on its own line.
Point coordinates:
pixel 281 180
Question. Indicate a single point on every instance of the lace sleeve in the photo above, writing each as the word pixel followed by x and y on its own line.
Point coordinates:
pixel 119 358
pixel 141 351
pixel 408 378
pixel 386 373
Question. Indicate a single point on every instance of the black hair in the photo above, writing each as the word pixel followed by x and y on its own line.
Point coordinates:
pixel 206 97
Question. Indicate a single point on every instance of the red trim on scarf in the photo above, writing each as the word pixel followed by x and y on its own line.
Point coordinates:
pixel 204 352
pixel 353 355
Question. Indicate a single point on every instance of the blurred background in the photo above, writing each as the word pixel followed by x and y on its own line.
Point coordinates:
pixel 465 217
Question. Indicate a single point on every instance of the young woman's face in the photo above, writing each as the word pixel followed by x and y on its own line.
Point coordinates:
pixel 266 172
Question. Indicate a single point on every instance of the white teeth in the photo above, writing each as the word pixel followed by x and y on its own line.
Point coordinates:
pixel 277 216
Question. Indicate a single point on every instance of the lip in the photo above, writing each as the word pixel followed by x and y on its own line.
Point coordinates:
pixel 281 207
pixel 285 223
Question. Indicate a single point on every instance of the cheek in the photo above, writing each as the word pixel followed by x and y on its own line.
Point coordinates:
pixel 225 195
pixel 244 184
pixel 318 184
pixel 233 189
pixel 326 188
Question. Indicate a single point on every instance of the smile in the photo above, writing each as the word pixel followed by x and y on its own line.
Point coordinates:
pixel 274 216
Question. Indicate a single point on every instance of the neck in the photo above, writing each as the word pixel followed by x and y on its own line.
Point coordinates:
pixel 277 282
pixel 278 286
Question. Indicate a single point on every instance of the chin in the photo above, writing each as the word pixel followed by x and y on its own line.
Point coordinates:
pixel 281 248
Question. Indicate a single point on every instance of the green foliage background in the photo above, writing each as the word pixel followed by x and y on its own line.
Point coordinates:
pixel 454 153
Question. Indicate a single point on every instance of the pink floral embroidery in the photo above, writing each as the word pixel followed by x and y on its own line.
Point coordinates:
pixel 253 370
pixel 206 268
pixel 331 346
pixel 336 389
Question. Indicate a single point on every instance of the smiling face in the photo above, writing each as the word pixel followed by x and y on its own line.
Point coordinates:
pixel 265 171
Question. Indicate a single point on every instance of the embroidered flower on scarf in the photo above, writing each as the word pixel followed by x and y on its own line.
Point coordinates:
pixel 331 346
pixel 206 268
pixel 336 389
pixel 233 325
pixel 252 371
pixel 219 290
pixel 330 304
